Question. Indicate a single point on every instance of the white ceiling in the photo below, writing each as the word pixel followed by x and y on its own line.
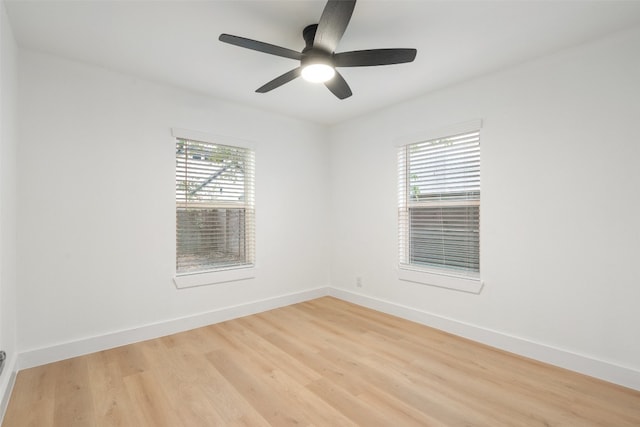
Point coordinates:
pixel 176 42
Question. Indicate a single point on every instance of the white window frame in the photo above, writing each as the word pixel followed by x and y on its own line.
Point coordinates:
pixel 433 276
pixel 244 272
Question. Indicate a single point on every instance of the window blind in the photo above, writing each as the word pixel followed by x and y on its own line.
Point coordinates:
pixel 214 206
pixel 439 204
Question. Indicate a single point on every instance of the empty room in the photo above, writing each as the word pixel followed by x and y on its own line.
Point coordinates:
pixel 319 213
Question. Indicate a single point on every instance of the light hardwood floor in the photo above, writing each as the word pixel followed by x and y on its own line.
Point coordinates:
pixel 322 363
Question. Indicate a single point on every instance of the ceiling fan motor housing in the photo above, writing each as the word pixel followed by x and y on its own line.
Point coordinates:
pixel 311 55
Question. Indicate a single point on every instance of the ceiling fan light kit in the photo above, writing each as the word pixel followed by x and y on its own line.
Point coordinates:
pixel 318 60
pixel 318 72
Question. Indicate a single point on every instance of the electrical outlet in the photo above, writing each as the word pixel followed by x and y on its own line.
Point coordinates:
pixel 359 282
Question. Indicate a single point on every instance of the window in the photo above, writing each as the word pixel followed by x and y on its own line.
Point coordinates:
pixel 214 206
pixel 439 208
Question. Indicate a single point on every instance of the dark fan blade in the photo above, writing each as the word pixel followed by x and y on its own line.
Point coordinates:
pixel 363 58
pixel 260 46
pixel 279 81
pixel 333 23
pixel 338 86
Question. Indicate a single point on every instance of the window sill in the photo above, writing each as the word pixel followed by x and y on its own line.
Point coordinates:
pixel 213 277
pixel 459 283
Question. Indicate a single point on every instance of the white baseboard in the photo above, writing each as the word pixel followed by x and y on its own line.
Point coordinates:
pixel 607 371
pixel 6 385
pixel 41 356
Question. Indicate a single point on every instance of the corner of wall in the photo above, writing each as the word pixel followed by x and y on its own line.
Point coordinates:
pixel 8 215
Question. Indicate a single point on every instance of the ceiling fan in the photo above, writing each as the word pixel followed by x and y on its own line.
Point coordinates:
pixel 318 60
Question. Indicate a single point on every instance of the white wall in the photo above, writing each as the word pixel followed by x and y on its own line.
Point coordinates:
pixel 8 62
pixel 560 236
pixel 96 171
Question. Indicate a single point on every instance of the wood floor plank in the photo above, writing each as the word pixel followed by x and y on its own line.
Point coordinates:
pixel 110 401
pixel 73 395
pixel 153 407
pixel 323 362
